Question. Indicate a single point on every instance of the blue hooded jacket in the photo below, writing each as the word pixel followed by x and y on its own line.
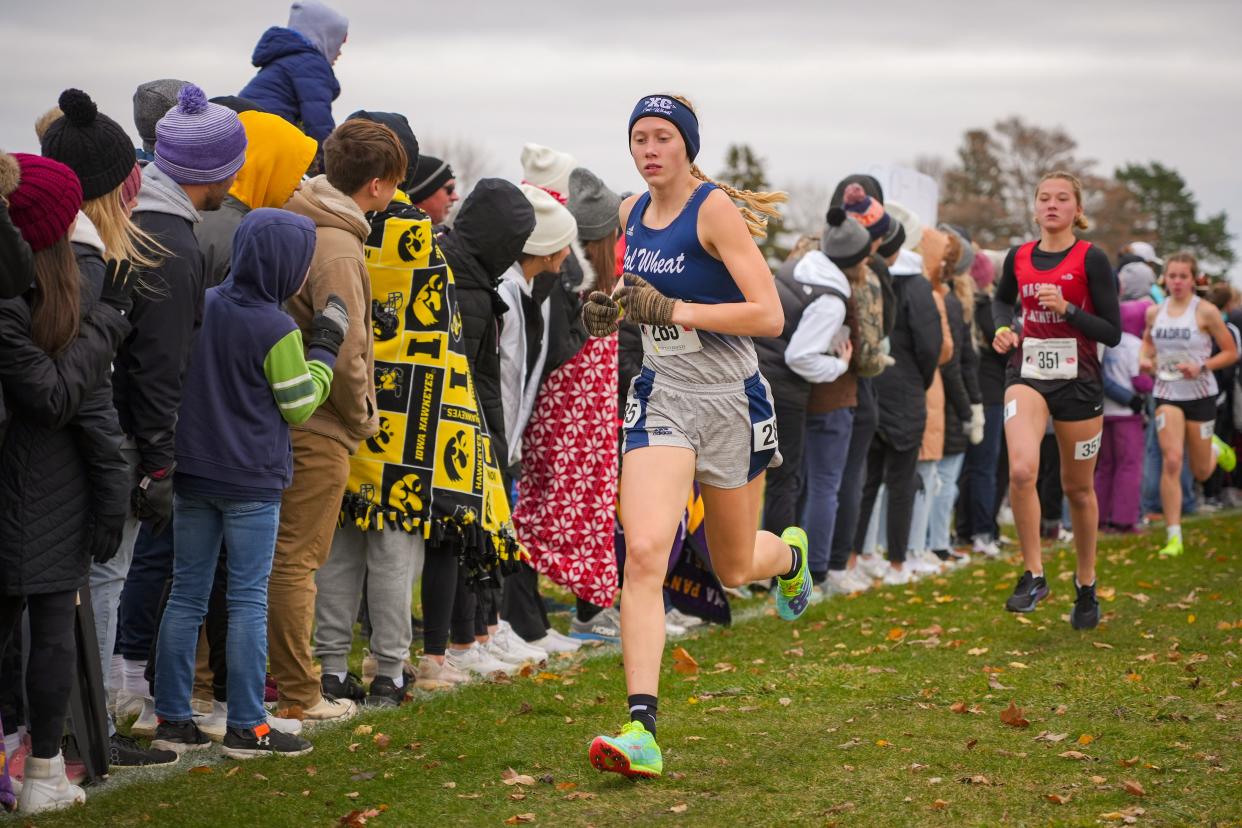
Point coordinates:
pixel 295 78
pixel 232 439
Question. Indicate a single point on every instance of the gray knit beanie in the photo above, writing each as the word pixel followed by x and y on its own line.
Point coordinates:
pixel 593 205
pixel 845 242
pixel 151 101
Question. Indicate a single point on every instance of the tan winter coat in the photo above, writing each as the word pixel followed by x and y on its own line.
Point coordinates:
pixel 338 267
pixel 933 432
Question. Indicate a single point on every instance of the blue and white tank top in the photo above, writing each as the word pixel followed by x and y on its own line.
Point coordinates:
pixel 673 260
pixel 1179 339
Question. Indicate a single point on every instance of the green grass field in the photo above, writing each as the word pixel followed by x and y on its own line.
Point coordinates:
pixel 880 709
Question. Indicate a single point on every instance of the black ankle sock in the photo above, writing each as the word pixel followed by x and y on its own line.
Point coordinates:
pixel 797 562
pixel 643 709
pixel 587 610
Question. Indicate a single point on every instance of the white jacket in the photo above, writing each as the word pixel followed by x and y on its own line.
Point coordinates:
pixel 517 392
pixel 807 354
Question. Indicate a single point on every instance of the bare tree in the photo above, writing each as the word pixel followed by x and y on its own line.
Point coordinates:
pixel 470 159
pixel 808 202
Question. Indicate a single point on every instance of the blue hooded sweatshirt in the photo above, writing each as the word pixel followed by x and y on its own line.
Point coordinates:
pixel 248 378
pixel 295 79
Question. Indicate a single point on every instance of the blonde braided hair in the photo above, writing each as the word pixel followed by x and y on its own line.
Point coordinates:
pixel 756 207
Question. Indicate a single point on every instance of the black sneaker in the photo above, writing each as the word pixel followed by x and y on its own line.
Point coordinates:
pixel 179 737
pixel 1086 613
pixel 350 688
pixel 1028 593
pixel 252 742
pixel 124 752
pixel 384 693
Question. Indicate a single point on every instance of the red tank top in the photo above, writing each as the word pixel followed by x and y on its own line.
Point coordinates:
pixel 1071 277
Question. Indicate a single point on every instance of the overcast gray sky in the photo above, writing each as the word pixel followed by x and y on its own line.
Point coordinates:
pixel 818 88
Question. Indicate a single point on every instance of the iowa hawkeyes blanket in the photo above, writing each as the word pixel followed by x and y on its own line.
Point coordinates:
pixel 430 469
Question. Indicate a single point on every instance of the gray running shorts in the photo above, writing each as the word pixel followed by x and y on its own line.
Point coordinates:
pixel 730 427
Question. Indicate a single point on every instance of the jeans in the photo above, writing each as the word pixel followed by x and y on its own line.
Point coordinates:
pixel 850 497
pixel 979 488
pixel 1152 463
pixel 943 496
pixel 827 444
pixel 200 524
pixel 144 586
pixel 926 488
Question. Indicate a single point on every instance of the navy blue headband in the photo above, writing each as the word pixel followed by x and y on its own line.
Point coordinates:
pixel 676 113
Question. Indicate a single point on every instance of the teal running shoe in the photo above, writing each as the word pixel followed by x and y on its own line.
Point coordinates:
pixel 632 753
pixel 793 595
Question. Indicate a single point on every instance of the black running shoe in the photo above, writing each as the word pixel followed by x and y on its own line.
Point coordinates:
pixel 179 737
pixel 1086 613
pixel 1028 593
pixel 124 752
pixel 262 740
pixel 384 693
pixel 350 688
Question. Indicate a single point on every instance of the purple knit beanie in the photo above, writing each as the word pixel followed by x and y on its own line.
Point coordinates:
pixel 198 142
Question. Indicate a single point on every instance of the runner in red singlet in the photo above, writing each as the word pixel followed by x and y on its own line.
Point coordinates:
pixel 1070 312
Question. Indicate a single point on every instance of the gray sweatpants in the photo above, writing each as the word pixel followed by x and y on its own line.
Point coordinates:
pixel 393 559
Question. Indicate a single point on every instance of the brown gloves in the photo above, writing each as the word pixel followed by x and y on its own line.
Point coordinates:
pixel 644 304
pixel 601 315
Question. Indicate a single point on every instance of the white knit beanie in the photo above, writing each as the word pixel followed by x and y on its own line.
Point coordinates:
pixel 547 168
pixel 910 221
pixel 555 227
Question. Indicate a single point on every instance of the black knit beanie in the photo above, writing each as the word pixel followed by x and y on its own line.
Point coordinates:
pixel 400 126
pixel 90 143
pixel 845 241
pixel 893 241
pixel 431 175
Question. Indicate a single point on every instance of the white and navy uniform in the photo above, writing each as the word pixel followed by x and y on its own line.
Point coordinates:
pixel 697 389
pixel 1179 339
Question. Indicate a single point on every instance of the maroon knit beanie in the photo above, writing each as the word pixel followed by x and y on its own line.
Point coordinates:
pixel 46 200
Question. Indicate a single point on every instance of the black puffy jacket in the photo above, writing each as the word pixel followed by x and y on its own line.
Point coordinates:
pixel 961 379
pixel 16 270
pixel 60 459
pixel 915 347
pixel 491 226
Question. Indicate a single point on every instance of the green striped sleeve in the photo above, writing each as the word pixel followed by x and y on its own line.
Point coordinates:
pixel 298 386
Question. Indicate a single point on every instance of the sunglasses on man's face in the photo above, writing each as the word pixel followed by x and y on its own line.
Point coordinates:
pixel 449 189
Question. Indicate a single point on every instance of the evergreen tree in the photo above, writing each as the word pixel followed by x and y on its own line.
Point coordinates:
pixel 744 170
pixel 1171 215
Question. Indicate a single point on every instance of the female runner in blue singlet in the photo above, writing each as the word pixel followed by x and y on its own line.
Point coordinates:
pixel 699 409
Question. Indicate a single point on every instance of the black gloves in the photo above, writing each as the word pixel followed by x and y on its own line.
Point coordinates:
pixel 329 326
pixel 152 499
pixel 106 537
pixel 1137 403
pixel 118 287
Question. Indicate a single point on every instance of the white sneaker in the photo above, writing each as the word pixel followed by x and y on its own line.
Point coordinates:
pixel 518 646
pixel 146 722
pixel 330 710
pixel 46 788
pixel 918 565
pixel 898 577
pixel 557 642
pixel 984 545
pixel 839 582
pixel 434 675
pixel 682 619
pixel 873 566
pixel 1064 535
pixel 958 559
pixel 129 704
pixel 474 659
pixel 216 723
pixel 291 726
pixel 858 579
pixel 819 593
pixel 673 629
